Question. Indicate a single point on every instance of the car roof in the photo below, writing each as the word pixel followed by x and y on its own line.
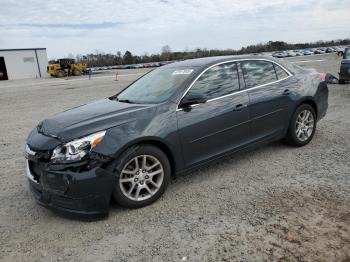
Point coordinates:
pixel 208 61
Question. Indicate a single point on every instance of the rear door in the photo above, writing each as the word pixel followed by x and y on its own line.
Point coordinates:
pixel 221 123
pixel 269 88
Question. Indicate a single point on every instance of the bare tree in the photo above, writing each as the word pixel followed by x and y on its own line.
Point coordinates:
pixel 101 59
pixel 165 53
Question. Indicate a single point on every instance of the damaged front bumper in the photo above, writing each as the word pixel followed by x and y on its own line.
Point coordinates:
pixel 83 188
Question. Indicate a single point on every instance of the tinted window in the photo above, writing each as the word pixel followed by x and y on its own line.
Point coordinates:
pixel 218 81
pixel 281 73
pixel 156 86
pixel 258 73
pixel 347 53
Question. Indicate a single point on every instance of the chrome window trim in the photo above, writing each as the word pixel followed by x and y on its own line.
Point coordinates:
pixel 236 92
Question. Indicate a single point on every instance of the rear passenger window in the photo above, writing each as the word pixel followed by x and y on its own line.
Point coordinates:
pixel 281 73
pixel 217 81
pixel 258 73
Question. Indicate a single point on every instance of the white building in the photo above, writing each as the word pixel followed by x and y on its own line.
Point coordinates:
pixel 23 63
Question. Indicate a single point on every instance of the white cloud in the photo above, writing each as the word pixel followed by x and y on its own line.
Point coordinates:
pixel 147 25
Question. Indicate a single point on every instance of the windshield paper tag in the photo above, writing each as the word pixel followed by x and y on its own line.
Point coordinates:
pixel 183 72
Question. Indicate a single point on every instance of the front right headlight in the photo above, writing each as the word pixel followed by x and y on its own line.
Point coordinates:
pixel 77 149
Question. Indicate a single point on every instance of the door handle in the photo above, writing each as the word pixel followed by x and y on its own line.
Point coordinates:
pixel 239 107
pixel 286 92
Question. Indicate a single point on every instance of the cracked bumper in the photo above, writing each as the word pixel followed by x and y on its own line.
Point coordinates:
pixel 85 193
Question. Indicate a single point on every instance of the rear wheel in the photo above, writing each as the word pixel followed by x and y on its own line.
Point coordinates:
pixel 341 81
pixel 302 126
pixel 142 177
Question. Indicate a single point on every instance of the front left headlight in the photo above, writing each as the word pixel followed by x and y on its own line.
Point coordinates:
pixel 76 149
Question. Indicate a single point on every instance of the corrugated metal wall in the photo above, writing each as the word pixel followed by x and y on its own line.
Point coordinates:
pixel 22 64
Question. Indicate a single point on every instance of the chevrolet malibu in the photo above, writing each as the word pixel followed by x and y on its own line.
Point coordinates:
pixel 173 119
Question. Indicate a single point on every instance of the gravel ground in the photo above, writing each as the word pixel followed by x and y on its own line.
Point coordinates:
pixel 276 203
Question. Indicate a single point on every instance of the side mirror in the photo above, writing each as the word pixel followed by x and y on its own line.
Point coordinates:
pixel 188 101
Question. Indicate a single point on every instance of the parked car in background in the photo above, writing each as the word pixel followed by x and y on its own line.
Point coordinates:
pixel 344 74
pixel 330 50
pixel 307 52
pixel 151 65
pixel 298 53
pixel 165 63
pixel 280 54
pixel 291 54
pixel 171 120
pixel 340 51
pixel 319 51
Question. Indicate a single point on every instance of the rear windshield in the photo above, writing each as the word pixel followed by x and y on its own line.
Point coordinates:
pixel 156 86
pixel 347 53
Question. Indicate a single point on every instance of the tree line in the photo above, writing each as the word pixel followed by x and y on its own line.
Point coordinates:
pixel 101 59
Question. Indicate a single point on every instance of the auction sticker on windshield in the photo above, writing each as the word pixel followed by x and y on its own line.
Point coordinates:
pixel 183 72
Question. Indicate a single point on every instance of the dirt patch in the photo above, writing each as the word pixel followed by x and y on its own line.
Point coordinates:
pixel 312 225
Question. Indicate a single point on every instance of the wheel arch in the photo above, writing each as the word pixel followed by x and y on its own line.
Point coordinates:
pixel 309 101
pixel 157 143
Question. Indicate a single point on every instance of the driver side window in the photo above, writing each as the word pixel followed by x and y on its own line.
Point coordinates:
pixel 217 81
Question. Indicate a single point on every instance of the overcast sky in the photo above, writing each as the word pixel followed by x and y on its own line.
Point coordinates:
pixel 84 26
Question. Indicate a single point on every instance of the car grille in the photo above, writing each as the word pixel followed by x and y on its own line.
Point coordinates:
pixel 37 162
pixel 37 169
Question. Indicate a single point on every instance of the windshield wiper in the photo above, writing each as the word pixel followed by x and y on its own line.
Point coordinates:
pixel 124 101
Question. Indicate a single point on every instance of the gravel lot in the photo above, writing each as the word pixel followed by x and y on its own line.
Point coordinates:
pixel 276 203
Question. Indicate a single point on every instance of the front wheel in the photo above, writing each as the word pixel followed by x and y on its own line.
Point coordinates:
pixel 142 177
pixel 77 72
pixel 302 126
pixel 60 73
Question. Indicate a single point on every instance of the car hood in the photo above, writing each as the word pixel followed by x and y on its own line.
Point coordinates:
pixel 93 117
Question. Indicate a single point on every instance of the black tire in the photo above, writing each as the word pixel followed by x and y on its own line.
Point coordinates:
pixel 292 138
pixel 129 155
pixel 341 81
pixel 60 73
pixel 76 72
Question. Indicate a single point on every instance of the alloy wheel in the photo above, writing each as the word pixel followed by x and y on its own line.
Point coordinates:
pixel 304 125
pixel 141 177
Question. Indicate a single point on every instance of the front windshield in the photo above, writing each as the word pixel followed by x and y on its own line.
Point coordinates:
pixel 157 86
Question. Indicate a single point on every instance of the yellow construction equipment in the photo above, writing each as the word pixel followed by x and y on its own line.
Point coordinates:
pixel 66 67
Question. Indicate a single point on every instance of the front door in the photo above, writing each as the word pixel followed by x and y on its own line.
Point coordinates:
pixel 221 123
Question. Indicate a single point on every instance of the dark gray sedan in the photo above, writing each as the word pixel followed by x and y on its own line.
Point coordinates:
pixel 171 120
pixel 344 74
